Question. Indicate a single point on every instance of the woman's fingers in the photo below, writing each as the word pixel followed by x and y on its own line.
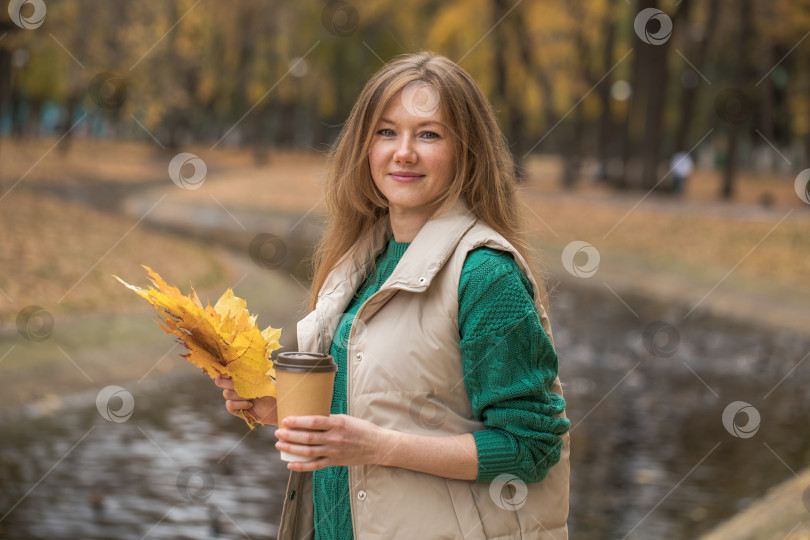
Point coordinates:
pixel 235 406
pixel 300 436
pixel 224 382
pixel 301 449
pixel 312 422
pixel 308 466
pixel 232 395
pixel 341 439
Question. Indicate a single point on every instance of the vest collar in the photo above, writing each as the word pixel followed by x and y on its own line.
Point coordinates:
pixel 426 255
pixel 430 248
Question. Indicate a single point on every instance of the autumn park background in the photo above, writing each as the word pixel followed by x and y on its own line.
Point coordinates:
pixel 190 136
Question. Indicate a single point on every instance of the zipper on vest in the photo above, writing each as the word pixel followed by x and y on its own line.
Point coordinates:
pixel 322 323
pixel 296 505
pixel 349 352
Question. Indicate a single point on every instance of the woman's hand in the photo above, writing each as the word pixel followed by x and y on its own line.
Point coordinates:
pixel 339 440
pixel 263 408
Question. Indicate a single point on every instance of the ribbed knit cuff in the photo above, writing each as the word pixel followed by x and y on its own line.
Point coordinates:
pixel 496 454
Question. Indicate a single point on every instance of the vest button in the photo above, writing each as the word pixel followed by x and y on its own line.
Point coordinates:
pixel 359 356
pixel 361 495
pixel 422 280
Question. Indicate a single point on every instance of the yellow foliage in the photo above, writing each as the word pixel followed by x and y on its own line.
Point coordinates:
pixel 222 340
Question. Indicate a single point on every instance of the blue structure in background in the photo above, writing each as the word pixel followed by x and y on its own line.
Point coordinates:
pixel 51 120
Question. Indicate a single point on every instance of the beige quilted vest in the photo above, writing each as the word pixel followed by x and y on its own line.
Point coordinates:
pixel 405 373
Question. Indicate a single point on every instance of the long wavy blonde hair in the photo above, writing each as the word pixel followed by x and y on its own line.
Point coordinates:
pixel 485 173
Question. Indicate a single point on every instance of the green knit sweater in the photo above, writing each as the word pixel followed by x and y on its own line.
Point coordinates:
pixel 509 366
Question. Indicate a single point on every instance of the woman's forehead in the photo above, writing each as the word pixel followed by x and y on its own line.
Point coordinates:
pixel 417 100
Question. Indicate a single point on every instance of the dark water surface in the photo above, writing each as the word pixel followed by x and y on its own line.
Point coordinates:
pixel 179 467
pixel 651 456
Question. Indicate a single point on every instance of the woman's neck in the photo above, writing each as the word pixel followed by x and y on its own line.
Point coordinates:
pixel 406 225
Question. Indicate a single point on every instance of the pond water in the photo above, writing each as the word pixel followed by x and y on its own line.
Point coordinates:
pixel 651 457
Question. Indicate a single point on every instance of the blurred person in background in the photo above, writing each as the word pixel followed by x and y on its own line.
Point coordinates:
pixel 681 167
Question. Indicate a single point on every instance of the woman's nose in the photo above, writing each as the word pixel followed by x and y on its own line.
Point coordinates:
pixel 405 151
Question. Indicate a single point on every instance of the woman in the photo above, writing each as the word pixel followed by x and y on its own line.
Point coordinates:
pixel 447 418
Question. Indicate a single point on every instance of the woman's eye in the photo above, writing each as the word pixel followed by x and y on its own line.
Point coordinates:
pixel 385 132
pixel 431 135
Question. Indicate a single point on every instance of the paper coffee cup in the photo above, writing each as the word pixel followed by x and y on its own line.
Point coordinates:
pixel 304 384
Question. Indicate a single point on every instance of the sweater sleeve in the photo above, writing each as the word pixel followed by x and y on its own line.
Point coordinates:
pixel 509 367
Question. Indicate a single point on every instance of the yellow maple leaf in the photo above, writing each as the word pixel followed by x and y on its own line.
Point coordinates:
pixel 222 339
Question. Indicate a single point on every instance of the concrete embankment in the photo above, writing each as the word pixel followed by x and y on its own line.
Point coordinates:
pixel 783 513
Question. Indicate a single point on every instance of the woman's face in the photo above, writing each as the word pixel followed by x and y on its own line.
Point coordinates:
pixel 411 156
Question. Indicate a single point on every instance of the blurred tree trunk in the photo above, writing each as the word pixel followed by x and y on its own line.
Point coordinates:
pixel 573 149
pixel 741 67
pixel 287 128
pixel 767 59
pixel 515 127
pixel 320 133
pixel 603 90
pixel 544 84
pixel 807 146
pixel 68 118
pixel 17 123
pixel 698 58
pixel 5 80
pixel 653 116
pixel 34 117
pixel 255 133
pixel 633 130
pixel 79 45
pixel 645 118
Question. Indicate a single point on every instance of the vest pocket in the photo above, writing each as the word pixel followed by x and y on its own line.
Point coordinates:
pixel 494 502
pixel 469 520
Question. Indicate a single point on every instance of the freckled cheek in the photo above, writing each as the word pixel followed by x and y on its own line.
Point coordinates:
pixel 380 155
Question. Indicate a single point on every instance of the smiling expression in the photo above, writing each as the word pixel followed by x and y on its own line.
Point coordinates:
pixel 411 156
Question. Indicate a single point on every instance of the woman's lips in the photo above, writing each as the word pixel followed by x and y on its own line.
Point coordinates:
pixel 404 176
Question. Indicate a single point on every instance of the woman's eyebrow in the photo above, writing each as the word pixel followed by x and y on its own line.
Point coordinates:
pixel 420 124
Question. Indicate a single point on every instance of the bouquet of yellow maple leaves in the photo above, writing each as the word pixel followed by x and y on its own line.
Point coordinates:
pixel 222 340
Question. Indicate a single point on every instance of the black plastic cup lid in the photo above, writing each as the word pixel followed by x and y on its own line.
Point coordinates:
pixel 304 362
